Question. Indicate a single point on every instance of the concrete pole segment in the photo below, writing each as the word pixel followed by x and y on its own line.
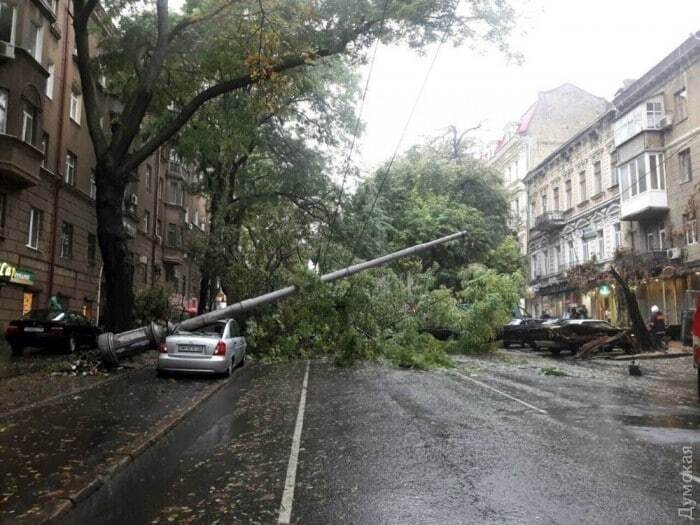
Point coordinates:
pixel 114 347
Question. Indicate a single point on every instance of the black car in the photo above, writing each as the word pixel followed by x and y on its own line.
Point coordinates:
pixel 522 331
pixel 51 329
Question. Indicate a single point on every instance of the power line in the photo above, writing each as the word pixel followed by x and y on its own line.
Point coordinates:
pixel 346 164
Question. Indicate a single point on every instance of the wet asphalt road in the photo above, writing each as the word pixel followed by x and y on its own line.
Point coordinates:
pixel 381 445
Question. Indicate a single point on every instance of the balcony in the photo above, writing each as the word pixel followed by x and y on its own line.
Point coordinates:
pixel 648 116
pixel 653 261
pixel 644 206
pixel 172 255
pixel 19 163
pixel 549 221
pixel 175 170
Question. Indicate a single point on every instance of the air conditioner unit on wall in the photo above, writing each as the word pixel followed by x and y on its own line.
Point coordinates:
pixel 674 253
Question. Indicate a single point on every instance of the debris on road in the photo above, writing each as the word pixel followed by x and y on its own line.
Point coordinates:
pixel 634 369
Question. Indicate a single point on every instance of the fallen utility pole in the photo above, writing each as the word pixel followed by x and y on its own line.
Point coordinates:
pixel 114 347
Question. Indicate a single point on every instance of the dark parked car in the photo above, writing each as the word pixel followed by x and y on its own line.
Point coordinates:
pixel 521 331
pixel 50 329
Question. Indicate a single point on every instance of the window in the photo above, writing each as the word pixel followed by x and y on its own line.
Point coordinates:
pixel 159 228
pixel 71 163
pixel 66 241
pixel 572 253
pixel 618 235
pixel 93 187
pixel 651 242
pixel 614 177
pixel 555 199
pixel 45 148
pixel 172 239
pixel 601 244
pixel 146 224
pixel 584 250
pixel 30 117
pixel 569 197
pixel 92 249
pixel 641 174
pixel 50 81
pixel 662 238
pixel 35 43
pixel 149 178
pixel 557 258
pixel 175 194
pixel 582 186
pixel 3 209
pixel 143 270
pixel 544 203
pixel 686 171
pixel 680 102
pixel 7 22
pixel 76 101
pixel 597 177
pixel 691 232
pixel 3 109
pixel 161 183
pixel 36 219
pixel 655 112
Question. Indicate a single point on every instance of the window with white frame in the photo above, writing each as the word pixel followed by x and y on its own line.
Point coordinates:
pixel 600 236
pixel 4 97
pixel 36 219
pixel 685 168
pixel 582 186
pixel 690 227
pixel 655 112
pixel 50 81
pixel 651 241
pixel 71 166
pixel 76 101
pixel 30 119
pixel 93 187
pixel 35 41
pixel 544 202
pixel 618 235
pixel 146 225
pixel 7 22
pixel 662 238
pixel 149 178
pixel 585 250
pixel 641 174
pixel 555 199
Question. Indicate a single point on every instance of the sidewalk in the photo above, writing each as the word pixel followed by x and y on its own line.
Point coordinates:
pixel 51 454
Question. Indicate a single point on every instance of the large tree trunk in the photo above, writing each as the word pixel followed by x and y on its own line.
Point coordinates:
pixel 118 266
pixel 644 339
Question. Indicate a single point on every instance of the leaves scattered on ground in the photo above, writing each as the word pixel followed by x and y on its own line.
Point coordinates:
pixel 552 371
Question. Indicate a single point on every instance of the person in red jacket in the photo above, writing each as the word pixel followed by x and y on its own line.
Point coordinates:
pixel 696 339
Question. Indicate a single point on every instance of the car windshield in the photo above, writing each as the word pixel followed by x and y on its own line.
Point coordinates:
pixel 44 315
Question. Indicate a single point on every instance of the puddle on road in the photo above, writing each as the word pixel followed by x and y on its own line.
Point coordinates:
pixel 687 421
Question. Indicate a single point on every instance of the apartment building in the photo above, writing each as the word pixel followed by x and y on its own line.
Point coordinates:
pixel 48 242
pixel 657 151
pixel 573 218
pixel 549 122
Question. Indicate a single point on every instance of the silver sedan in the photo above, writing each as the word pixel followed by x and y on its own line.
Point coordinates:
pixel 216 348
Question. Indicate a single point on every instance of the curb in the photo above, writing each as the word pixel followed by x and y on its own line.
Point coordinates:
pixel 128 454
pixel 635 357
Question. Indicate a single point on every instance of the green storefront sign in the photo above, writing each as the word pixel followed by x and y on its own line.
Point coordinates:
pixel 15 275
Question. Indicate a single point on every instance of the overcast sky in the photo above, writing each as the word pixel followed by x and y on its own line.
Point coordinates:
pixel 594 44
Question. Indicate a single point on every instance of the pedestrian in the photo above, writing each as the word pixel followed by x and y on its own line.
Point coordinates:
pixel 583 312
pixel 657 323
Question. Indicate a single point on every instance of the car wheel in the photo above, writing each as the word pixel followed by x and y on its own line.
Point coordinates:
pixel 71 344
pixel 229 370
pixel 17 349
pixel 242 360
pixel 161 373
pixel 556 351
pixel 506 344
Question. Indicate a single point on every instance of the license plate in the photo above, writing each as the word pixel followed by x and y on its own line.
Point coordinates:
pixel 197 349
pixel 33 329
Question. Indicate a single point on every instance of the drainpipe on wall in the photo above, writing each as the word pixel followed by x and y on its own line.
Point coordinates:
pixel 99 295
pixel 59 149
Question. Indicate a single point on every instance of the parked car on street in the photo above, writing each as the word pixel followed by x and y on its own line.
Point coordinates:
pixel 45 328
pixel 216 348
pixel 523 331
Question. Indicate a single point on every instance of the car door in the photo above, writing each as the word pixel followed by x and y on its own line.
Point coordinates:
pixel 238 341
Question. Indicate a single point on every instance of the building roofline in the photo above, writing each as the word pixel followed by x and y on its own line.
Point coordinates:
pixel 610 111
pixel 689 49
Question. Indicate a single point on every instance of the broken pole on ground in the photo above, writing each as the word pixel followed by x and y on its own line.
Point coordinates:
pixel 114 347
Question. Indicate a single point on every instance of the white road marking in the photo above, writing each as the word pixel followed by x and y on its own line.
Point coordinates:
pixel 288 494
pixel 484 385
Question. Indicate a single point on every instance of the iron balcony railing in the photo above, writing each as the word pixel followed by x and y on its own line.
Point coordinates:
pixel 549 220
